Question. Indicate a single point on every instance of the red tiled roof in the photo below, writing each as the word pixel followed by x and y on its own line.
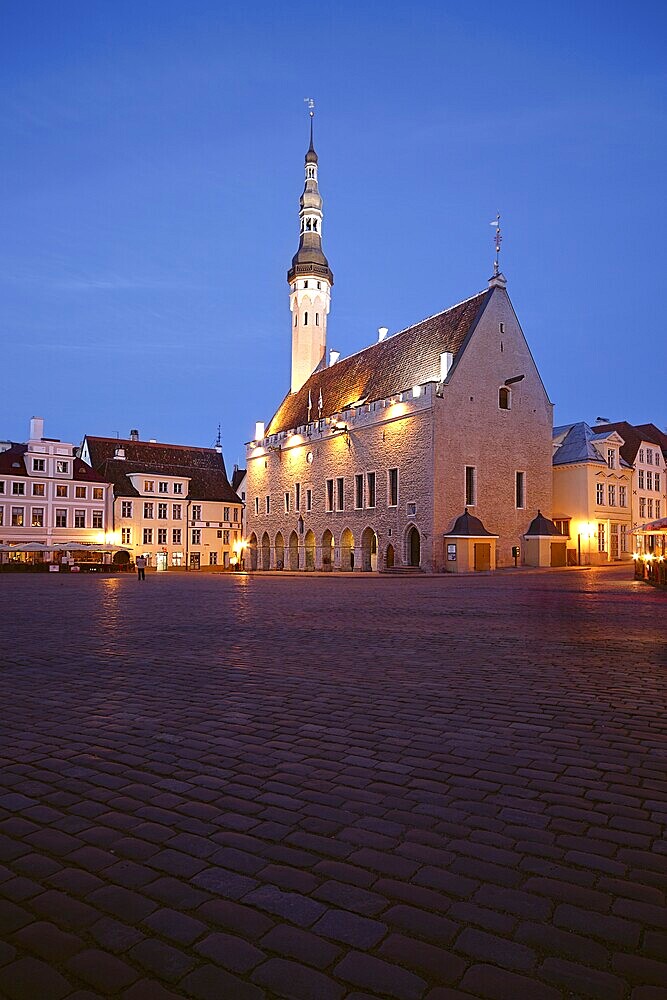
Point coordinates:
pixel 12 463
pixel 204 467
pixel 411 357
pixel 633 435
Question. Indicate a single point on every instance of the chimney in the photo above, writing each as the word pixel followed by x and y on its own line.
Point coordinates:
pixel 446 361
pixel 134 435
pixel 259 430
pixel 36 428
pixel 382 333
pixel 333 357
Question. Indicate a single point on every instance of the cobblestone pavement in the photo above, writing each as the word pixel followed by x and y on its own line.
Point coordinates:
pixel 230 788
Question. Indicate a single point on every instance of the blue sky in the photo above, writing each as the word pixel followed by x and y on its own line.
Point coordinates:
pixel 152 160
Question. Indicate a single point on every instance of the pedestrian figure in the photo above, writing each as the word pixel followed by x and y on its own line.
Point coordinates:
pixel 141 567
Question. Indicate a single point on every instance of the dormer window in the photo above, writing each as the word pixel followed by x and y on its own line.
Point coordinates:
pixel 504 398
pixel 611 458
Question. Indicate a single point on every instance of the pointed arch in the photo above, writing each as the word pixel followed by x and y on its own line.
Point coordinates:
pixel 369 550
pixel 309 546
pixel 294 551
pixel 252 552
pixel 412 546
pixel 279 546
pixel 347 550
pixel 389 557
pixel 327 550
pixel 266 551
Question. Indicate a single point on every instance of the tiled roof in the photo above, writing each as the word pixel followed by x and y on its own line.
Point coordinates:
pixel 411 357
pixel 467 525
pixel 237 477
pixel 204 467
pixel 631 438
pixel 577 446
pixel 12 463
pixel 542 525
pixel 652 433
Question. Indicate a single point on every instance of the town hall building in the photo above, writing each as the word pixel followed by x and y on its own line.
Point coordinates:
pixel 431 448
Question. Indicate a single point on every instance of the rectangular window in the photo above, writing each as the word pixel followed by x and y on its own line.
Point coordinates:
pixel 340 493
pixel 38 517
pixel 2 487
pixel 309 500
pixel 163 487
pixel 649 512
pixel 649 480
pixel 642 507
pixel 162 536
pixel 98 493
pixel 611 495
pixel 287 501
pixel 176 536
pixel 218 534
pixel 257 506
pixel 126 536
pixel 79 519
pixel 148 536
pixel 61 517
pixel 213 559
pixel 162 511
pixel 641 454
pixel 225 537
pixel 602 546
pixel 471 486
pixel 599 493
pixel 297 496
pixel 61 491
pixel 641 479
pixel 176 512
pixel 330 494
pixel 563 526
pixel 649 456
pixel 267 504
pixel 98 518
pixel 178 487
pixel 126 508
pixel 370 489
pixel 196 512
pixel 38 465
pixel 611 458
pixel 18 489
pixel 622 496
pixel 520 490
pixel 225 513
pixel 656 482
pixel 196 536
pixel 236 511
pixel 149 486
pixel 62 466
pixel 38 489
pixel 80 492
pixel 17 517
pixel 624 538
pixel 657 508
pixel 392 488
pixel 359 491
pixel 2 516
pixel 148 511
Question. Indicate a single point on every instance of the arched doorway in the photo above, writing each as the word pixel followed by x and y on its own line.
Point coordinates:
pixel 294 551
pixel 389 558
pixel 309 544
pixel 347 550
pixel 369 551
pixel 280 551
pixel 266 551
pixel 413 547
pixel 252 552
pixel 327 551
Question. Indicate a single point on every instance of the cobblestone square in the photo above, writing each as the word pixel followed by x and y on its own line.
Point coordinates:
pixel 322 787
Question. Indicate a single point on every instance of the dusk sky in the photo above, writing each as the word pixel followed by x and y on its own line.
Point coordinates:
pixel 150 171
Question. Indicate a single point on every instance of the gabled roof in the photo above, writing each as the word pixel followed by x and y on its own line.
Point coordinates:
pixel 652 433
pixel 579 444
pixel 12 463
pixel 411 357
pixel 237 477
pixel 204 467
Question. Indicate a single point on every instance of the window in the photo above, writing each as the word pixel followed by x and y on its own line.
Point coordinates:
pixel 126 536
pixel 330 494
pixel 149 486
pixel 656 482
pixel 162 511
pixel 287 501
pixel 657 458
pixel 2 487
pixel 38 517
pixel 148 536
pixel 38 465
pixel 642 507
pixel 340 493
pixel 649 480
pixel 218 533
pixel 163 487
pixel 126 508
pixel 317 319
pixel 61 517
pixel 649 456
pixel 196 512
pixel 98 493
pixel 38 489
pixel 257 505
pixel 297 496
pixel 148 510
pixel 624 538
pixel 80 492
pixel 305 319
pixel 267 504
pixel 162 536
pixel 649 511
pixel 601 537
pixel 370 489
pixel 176 511
pixel 178 487
pixel 611 495
pixel 641 454
pixel 2 515
pixel 611 458
pixel 657 508
pixel 176 536
pixel 471 486
pixel 599 493
pixel 563 526
pixel 17 517
pixel 392 488
pixel 18 489
pixel 176 558
pixel 520 490
pixel 225 537
pixel 61 491
pixel 196 536
pixel 213 559
pixel 411 510
pixel 622 496
pixel 309 500
pixel 641 479
pixel 98 519
pixel 504 398
pixel 236 511
pixel 79 519
pixel 359 491
pixel 296 319
pixel 62 466
pixel 225 513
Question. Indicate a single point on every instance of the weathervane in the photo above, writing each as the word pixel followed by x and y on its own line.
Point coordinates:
pixel 311 106
pixel 497 239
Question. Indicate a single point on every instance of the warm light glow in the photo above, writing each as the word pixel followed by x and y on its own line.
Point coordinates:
pixel 416 391
pixel 397 409
pixel 294 439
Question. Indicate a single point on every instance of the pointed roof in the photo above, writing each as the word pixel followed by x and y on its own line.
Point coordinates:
pixel 467 525
pixel 578 443
pixel 391 366
pixel 542 525
pixel 633 435
pixel 311 155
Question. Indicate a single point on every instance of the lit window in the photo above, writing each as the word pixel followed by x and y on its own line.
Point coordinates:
pixel 602 546
pixel 126 536
pixel 62 466
pixel 149 486
pixel 61 491
pixel 80 492
pixel 98 493
pixel 17 517
pixel 38 489
pixel 38 517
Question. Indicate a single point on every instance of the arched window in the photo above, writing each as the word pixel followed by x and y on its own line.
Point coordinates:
pixel 296 319
pixel 504 398
pixel 315 225
pixel 317 319
pixel 305 319
pixel 308 225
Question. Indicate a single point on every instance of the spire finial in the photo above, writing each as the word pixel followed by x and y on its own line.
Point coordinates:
pixel 497 239
pixel 310 103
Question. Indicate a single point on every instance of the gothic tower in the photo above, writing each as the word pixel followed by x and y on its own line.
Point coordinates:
pixel 310 279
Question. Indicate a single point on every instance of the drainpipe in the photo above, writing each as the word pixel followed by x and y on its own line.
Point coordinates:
pixel 187 535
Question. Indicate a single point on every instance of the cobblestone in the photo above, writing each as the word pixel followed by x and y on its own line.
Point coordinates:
pixel 358 788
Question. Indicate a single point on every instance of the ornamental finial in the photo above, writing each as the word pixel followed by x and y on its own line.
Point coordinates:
pixel 497 239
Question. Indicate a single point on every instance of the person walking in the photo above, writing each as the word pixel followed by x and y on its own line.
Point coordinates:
pixel 141 567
